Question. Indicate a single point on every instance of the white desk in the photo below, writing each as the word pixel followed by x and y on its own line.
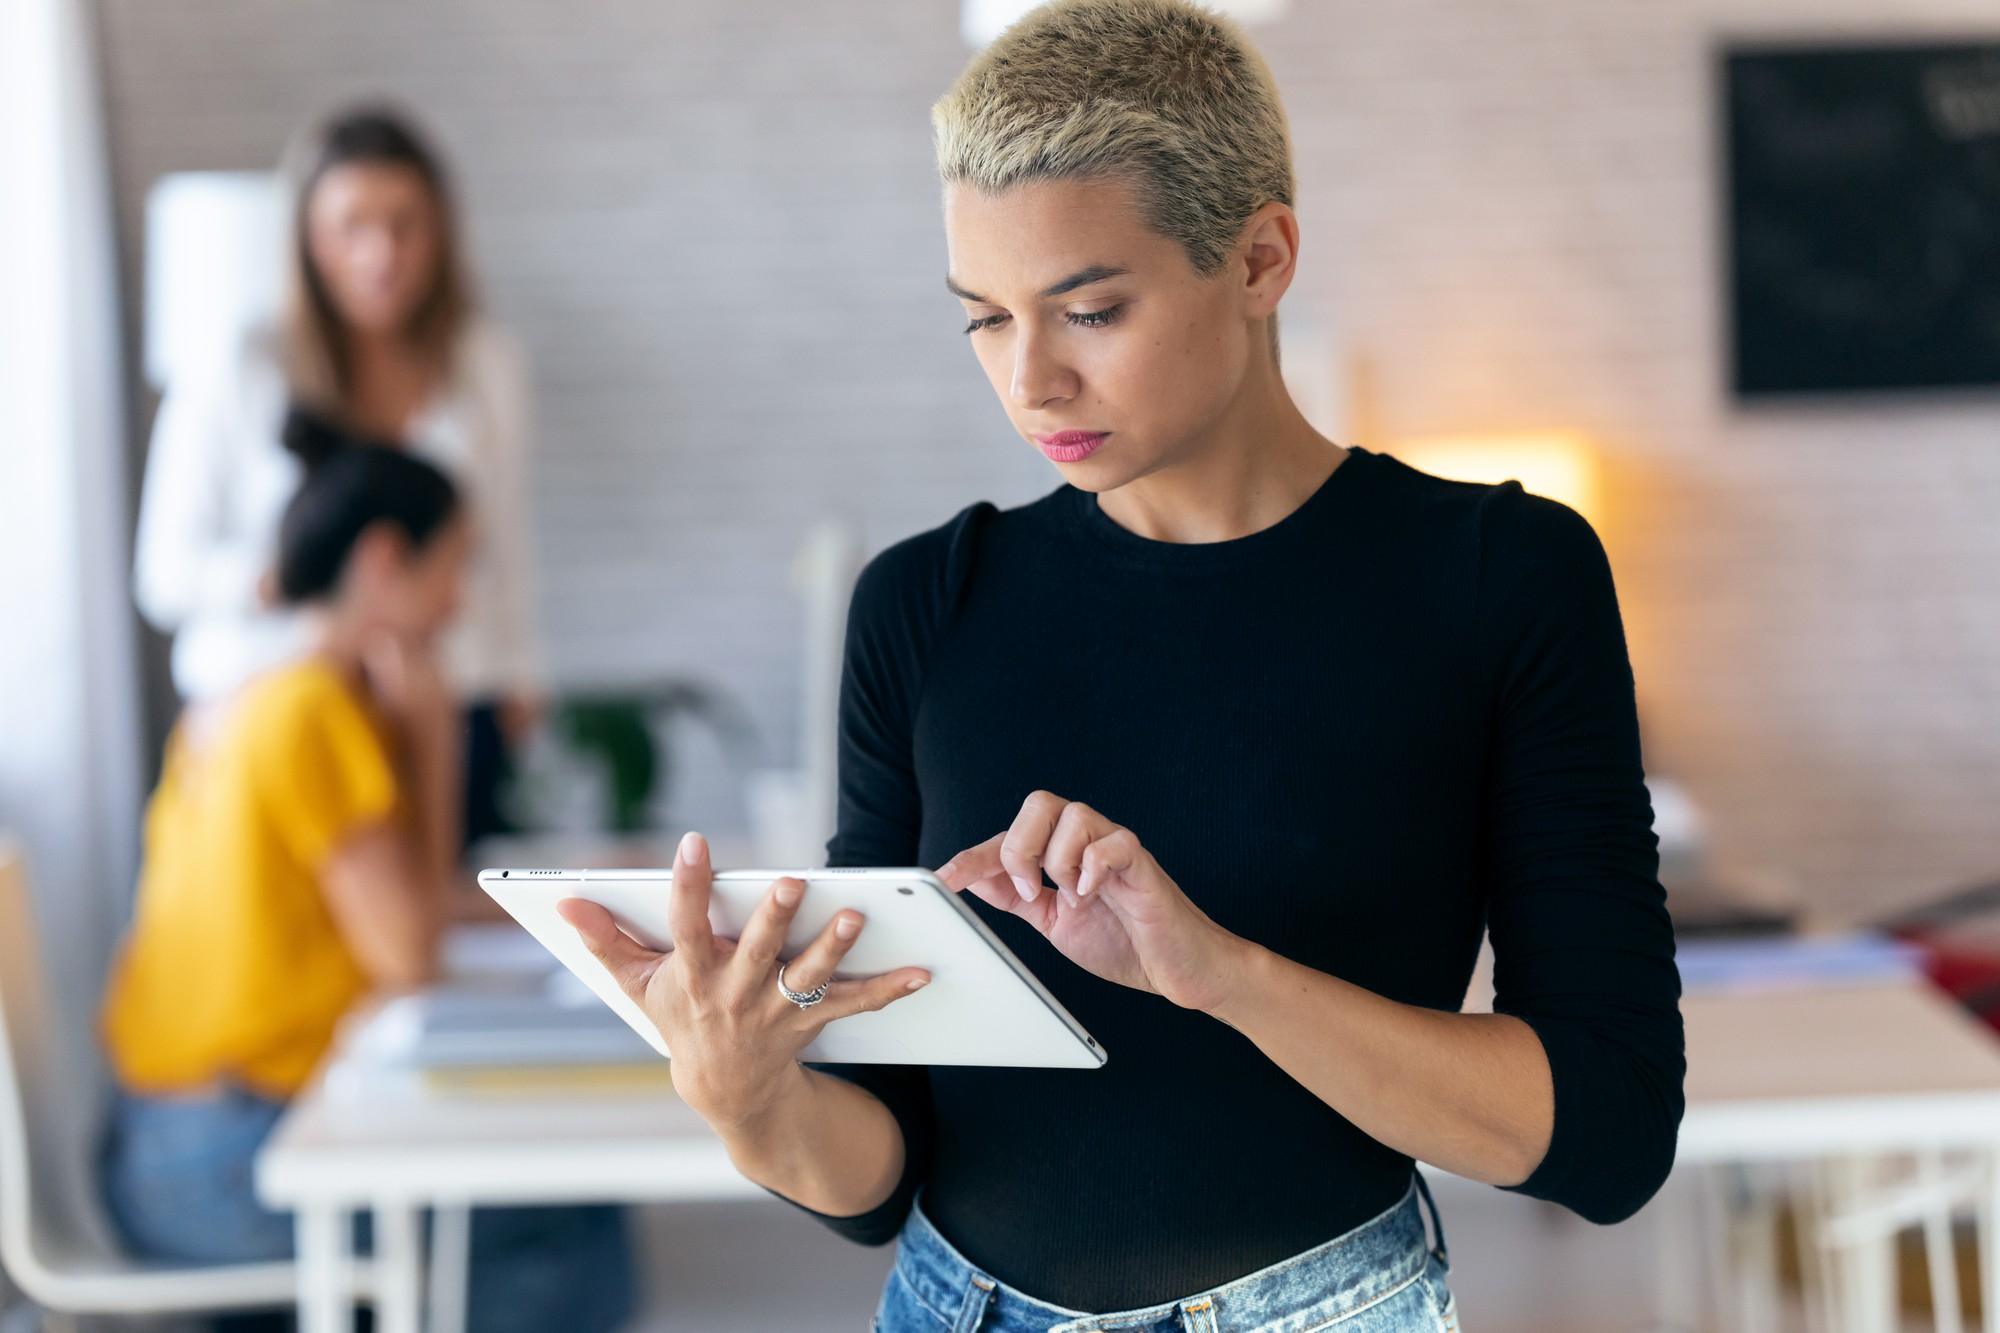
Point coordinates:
pixel 1787 1074
pixel 393 1148
pixel 360 1140
pixel 1849 1074
pixel 1816 1089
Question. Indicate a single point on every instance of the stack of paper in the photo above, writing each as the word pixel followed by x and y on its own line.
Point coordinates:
pixel 459 1026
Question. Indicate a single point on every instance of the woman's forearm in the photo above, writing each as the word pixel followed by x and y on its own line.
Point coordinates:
pixel 1470 1093
pixel 401 936
pixel 822 1142
pixel 436 782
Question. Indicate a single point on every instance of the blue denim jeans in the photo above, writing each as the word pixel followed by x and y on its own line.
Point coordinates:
pixel 1381 1277
pixel 177 1181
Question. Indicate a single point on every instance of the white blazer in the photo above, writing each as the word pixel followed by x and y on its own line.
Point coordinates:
pixel 218 480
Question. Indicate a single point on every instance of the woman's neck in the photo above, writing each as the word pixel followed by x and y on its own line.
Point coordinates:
pixel 1261 461
pixel 389 379
pixel 339 640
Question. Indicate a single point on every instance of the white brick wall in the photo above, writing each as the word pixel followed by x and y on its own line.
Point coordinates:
pixel 714 225
pixel 1512 212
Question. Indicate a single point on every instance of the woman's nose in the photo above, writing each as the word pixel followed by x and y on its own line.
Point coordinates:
pixel 1039 377
pixel 377 249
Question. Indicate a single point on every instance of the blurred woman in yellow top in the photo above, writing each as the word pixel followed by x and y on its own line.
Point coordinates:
pixel 300 851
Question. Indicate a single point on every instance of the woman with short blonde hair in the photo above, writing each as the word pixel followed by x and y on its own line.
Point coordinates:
pixel 1239 739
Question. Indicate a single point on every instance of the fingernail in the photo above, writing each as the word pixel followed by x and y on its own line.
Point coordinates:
pixel 920 983
pixel 947 870
pixel 788 892
pixel 693 849
pixel 846 927
pixel 1026 890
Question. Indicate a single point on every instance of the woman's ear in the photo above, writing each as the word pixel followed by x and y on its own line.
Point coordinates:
pixel 378 555
pixel 1268 256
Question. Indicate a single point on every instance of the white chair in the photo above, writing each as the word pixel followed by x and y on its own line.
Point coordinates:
pixel 54 1240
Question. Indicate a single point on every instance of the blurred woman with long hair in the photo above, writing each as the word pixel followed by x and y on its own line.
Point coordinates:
pixel 382 334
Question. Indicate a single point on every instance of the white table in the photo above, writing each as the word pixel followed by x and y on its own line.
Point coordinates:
pixel 358 1141
pixel 1846 1075
pixel 1811 1092
pixel 364 1140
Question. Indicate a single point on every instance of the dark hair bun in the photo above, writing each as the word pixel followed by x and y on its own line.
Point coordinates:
pixel 352 482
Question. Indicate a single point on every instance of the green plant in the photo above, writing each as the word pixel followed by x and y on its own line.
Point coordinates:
pixel 625 732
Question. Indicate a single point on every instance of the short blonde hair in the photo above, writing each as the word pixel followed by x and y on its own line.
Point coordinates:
pixel 1163 94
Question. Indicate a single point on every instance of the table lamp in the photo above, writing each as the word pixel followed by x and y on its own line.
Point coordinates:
pixel 1558 464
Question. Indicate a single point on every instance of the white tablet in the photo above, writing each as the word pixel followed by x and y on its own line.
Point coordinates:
pixel 982 1007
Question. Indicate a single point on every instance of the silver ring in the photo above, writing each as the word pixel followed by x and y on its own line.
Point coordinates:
pixel 805 999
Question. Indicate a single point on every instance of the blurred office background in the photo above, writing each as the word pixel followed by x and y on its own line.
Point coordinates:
pixel 715 228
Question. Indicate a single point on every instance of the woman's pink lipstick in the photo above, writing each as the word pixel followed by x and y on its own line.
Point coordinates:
pixel 1072 446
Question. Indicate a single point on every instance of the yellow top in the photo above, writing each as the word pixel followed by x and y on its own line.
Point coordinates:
pixel 234 967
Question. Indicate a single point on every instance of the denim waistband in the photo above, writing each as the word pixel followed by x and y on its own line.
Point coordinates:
pixel 1331 1281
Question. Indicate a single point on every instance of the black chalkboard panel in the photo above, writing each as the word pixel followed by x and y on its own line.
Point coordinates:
pixel 1863 217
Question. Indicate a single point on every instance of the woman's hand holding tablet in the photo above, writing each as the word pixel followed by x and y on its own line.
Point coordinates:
pixel 735 1038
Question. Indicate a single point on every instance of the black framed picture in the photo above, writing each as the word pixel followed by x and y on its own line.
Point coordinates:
pixel 1863 217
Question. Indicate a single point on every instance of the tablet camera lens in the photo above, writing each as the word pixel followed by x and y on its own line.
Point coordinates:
pixel 904 888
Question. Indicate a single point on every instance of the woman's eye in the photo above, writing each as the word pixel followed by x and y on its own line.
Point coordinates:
pixel 1096 319
pixel 1090 319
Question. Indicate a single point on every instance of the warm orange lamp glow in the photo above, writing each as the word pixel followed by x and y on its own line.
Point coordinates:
pixel 1558 464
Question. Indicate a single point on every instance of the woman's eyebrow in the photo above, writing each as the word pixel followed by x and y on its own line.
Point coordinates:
pixel 1083 277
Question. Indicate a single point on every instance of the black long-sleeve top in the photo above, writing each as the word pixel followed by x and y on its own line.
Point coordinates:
pixel 1401 714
